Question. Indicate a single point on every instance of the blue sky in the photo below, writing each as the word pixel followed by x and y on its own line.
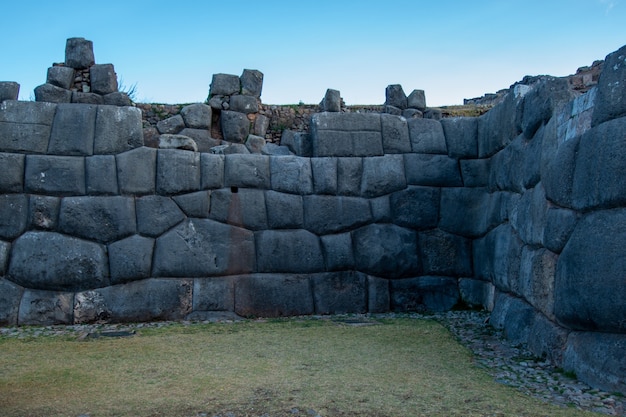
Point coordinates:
pixel 451 49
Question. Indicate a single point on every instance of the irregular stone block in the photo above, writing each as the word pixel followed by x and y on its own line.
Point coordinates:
pixel 338 252
pixel 136 171
pixel 214 294
pixel 255 144
pixel 244 104
pixel 432 294
pixel 381 209
pixel 224 84
pixel 251 171
pixel 416 100
pixel 60 76
pixel 559 225
pixel 386 250
pixel 101 175
pixel 324 175
pixel 201 248
pixel 25 126
pixel 177 171
pixel 559 175
pixel 102 219
pixel 235 126
pixel 118 129
pixel 245 208
pixel 349 174
pixel 297 142
pixel 260 126
pixel 432 170
pixel 331 101
pixel 45 308
pixel 427 136
pixel 130 259
pixel 273 295
pixel 293 251
pixel 395 132
pixel 202 138
pixel 212 169
pixel 610 102
pixel 500 125
pixel 412 114
pixel 291 174
pixel 378 297
pixel 393 110
pixel 79 53
pixel 12 173
pixel 43 212
pixel 55 174
pixel 536 276
pixel 181 142
pixel 284 211
pixel 197 116
pixel 329 214
pixel 196 204
pixel 475 172
pixel 73 130
pixel 251 82
pixel 416 207
pixel 229 149
pixel 382 175
pixel 9 90
pixel 52 94
pixel 103 79
pixel 117 98
pixel 547 340
pixel 171 125
pixel 156 214
pixel 461 136
pixel 346 134
pixel 271 149
pixel 476 293
pixel 79 97
pixel 340 293
pixel 445 254
pixel 515 317
pixel 10 296
pixel 51 261
pixel 497 258
pixel 471 212
pixel 394 96
pixel 541 101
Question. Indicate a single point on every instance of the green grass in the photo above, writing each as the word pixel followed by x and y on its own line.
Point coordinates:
pixel 399 367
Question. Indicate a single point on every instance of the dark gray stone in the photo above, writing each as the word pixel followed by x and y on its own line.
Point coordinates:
pixel 51 261
pixel 101 175
pixel 146 300
pixel 471 212
pixel 499 126
pixel 324 175
pixel 118 129
pixel 536 279
pixel 433 114
pixel 235 126
pixel 292 251
pixel 79 53
pixel 273 295
pixel 212 169
pixel 181 142
pixel 610 102
pixel 392 110
pixel 338 252
pixel 117 98
pixel 202 138
pixel 73 130
pixel 340 293
pixel 559 175
pixel 547 340
pixel 461 136
pixel 43 212
pixel 178 171
pixel 224 85
pixel 195 204
pixel 251 82
pixel 541 101
pixel 251 171
pixel 171 125
pixel 559 226
pixel 349 174
pixel 49 93
pixel 297 142
pixel 214 294
pixel 382 175
pixel 284 211
pixel 291 174
pixel 331 101
pixel 103 79
pixel 515 317
pixel 346 134
pixel 412 114
pixel 378 297
pixel 9 90
pixel 5 248
pixel 245 208
pixel 271 149
pixel 130 259
pixel 394 96
pixel 590 274
pixel 416 100
pixel 427 136
pixel 475 172
pixel 395 131
pixel 476 293
pixel 60 76
pixel 445 254
pixel 10 296
pixel 497 258
pixel 45 308
pixel 424 294
pixel 329 214
pixel 202 248
pixel 197 116
pixel 156 214
pixel 136 171
pixel 102 219
pixel 386 250
pixel 530 221
pixel 55 175
pixel 230 149
pixel 416 207
pixel 12 173
pixel 432 170
pixel 381 209
pixel 260 126
pixel 244 104
pixel 79 97
pixel 517 167
pixel 25 126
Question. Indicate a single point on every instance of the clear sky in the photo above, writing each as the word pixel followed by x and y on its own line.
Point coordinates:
pixel 452 49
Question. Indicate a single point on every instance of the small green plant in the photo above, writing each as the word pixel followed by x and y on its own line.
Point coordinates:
pixel 130 91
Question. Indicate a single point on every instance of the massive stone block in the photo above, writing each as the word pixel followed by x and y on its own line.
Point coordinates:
pixel 244 104
pixel 497 257
pixel 610 99
pixel 13 215
pixel 157 214
pixel 196 204
pixel 530 221
pixel 178 171
pixel 235 126
pixel 378 295
pixel 25 126
pixel 536 276
pixel 284 211
pixel 559 173
pixel 445 254
pixel 416 207
pixel 461 136
pixel 296 251
pixel 251 82
pixel 245 208
pixel 432 170
pixel 559 225
pixel 224 84
pixel 547 339
pixel 55 174
pixel 382 175
pixel 52 94
pixel 172 125
pixel 475 172
pixel 212 171
pixel 340 292
pixel 471 212
pixel 43 212
pixel 395 131
pixel 247 171
pixel 291 174
pixel 427 136
pixel 9 90
pixel 328 214
pixel 541 101
pixel 136 171
pixel 201 248
pixel 79 53
pixel 500 125
pixel 130 259
pixel 73 130
pixel 428 293
pixel 338 252
pixel 273 295
pixel 197 116
pixel 45 308
pixel 103 79
pixel 10 296
pixel 349 175
pixel 52 261
pixel 12 174
pixel 324 175
pixel 394 96
pixel 60 76
pixel 590 281
pixel 101 175
pixel 214 294
pixel 346 134
pixel 514 316
pixel 386 250
pixel 118 129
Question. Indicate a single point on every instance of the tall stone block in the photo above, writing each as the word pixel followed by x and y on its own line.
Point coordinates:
pixel 13 215
pixel 103 79
pixel 79 53
pixel 395 131
pixel 382 175
pixel 25 126
pixel 130 259
pixel 610 99
pixel 12 174
pixel 136 171
pixel 118 129
pixel 73 130
pixel 251 82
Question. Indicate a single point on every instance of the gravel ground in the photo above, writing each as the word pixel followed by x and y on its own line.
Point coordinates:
pixel 508 364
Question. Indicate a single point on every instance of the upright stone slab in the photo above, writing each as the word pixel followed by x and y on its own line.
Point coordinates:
pixel 349 175
pixel 10 296
pixel 9 90
pixel 103 79
pixel 212 170
pixel 338 252
pixel 416 100
pixel 251 83
pixel 79 53
pixel 394 96
pixel 331 101
pixel 73 130
pixel 12 174
pixel 610 101
pixel 101 175
pixel 289 251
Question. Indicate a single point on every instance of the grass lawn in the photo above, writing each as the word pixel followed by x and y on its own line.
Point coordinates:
pixel 399 367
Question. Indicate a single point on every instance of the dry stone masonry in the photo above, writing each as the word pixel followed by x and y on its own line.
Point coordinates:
pixel 521 211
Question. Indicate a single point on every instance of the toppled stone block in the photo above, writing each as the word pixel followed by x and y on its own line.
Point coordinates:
pixel 251 83
pixel 260 126
pixel 60 76
pixel 394 96
pixel 79 53
pixel 103 79
pixel 9 90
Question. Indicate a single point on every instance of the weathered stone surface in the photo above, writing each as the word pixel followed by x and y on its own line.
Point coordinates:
pixel 382 175
pixel 428 293
pixel 255 144
pixel 349 174
pixel 338 252
pixel 197 116
pixel 395 132
pixel 146 300
pixel 214 294
pixel 471 212
pixel 43 212
pixel 73 130
pixel 260 126
pixel 394 96
pixel 55 174
pixel 499 126
pixel 412 114
pixel 559 225
pixel 381 209
pixel 202 139
pixel 12 173
pixel 378 297
pixel 536 279
pixel 346 134
pixel 297 142
pixel 445 254
pixel 235 126
pixel 461 136
pixel 610 100
pixel 78 97
pixel 117 98
pixel 427 136
pixel 51 261
pixel 386 250
pixel 195 204
pixel 329 214
pixel 45 308
pixel 324 175
pixel 212 171
pixel 432 170
pixel 230 148
pixel 416 100
pixel 60 76
pixel 103 79
pixel 251 82
pixel 590 274
pixel 101 175
pixel 271 149
pixel 292 251
pixel 157 214
pixel 102 219
pixel 273 295
pixel 559 175
pixel 247 171
pixel 136 171
pixel 5 248
pixel 244 104
pixel 546 339
pixel 284 211
pixel 52 94
pixel 291 174
pixel 224 84
pixel 118 129
pixel 202 248
pixel 25 125
pixel 497 258
pixel 331 101
pixel 514 316
pixel 10 296
pixel 130 259
pixel 541 101
pixel 475 172
pixel 530 221
pixel 393 110
pixel 245 208
pixel 178 171
pixel 9 90
pixel 476 293
pixel 79 53
pixel 171 125
pixel 416 207
pixel 340 292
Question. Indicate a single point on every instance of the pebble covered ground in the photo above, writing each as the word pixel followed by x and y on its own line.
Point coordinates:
pixel 508 364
